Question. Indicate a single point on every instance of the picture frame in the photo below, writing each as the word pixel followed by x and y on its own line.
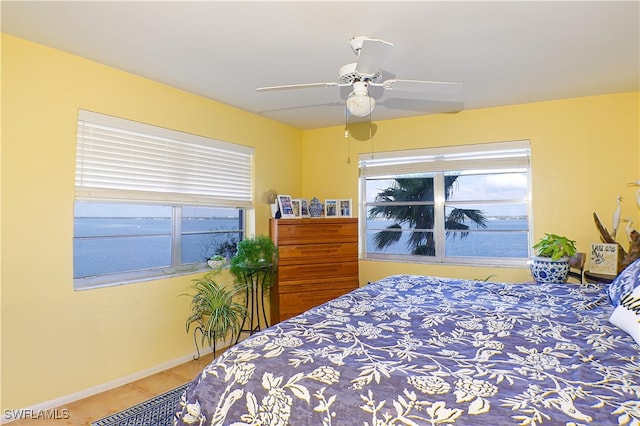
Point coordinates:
pixel 304 208
pixel 344 207
pixel 296 203
pixel 286 206
pixel 604 259
pixel 331 208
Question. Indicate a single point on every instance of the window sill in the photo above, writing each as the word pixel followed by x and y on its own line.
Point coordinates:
pixel 104 281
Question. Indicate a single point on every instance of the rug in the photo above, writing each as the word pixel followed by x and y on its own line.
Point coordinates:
pixel 157 411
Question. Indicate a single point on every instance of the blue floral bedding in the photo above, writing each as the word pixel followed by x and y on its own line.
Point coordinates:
pixel 414 350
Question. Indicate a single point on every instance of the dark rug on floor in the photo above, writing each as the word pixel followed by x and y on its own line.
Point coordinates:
pixel 157 411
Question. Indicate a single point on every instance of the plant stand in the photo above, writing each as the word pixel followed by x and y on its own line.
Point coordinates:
pixel 211 337
pixel 254 280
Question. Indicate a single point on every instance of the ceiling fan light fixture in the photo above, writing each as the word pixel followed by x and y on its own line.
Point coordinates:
pixel 359 102
pixel 360 105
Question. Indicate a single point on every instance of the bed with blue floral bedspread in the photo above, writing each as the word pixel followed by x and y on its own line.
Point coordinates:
pixel 415 350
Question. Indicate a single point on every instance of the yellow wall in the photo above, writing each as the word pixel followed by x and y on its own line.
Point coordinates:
pixel 584 151
pixel 56 342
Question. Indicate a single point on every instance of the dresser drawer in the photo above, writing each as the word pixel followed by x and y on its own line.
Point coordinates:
pixel 295 299
pixel 318 253
pixel 344 284
pixel 343 268
pixel 311 231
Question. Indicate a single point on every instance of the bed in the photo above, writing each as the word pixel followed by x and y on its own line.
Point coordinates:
pixel 416 350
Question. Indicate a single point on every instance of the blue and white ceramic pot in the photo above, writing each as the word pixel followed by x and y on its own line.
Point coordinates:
pixel 315 207
pixel 544 270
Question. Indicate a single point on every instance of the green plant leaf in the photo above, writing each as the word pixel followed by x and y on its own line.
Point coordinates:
pixel 555 247
pixel 254 255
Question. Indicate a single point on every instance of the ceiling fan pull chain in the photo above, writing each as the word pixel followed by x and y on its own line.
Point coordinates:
pixel 346 134
pixel 370 133
pixel 346 121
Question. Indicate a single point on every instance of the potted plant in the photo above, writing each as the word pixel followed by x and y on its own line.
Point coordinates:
pixel 253 255
pixel 216 261
pixel 213 310
pixel 551 261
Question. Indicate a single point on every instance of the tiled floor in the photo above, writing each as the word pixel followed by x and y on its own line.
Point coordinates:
pixel 95 407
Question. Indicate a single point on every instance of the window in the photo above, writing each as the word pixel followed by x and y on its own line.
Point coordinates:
pixel 152 202
pixel 459 205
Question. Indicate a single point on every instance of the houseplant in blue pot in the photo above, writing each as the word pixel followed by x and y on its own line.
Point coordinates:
pixel 551 262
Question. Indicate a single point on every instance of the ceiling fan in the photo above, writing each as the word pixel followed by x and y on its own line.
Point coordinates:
pixel 367 72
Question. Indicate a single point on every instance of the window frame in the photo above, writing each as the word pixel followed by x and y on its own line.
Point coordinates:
pixel 176 268
pixel 439 161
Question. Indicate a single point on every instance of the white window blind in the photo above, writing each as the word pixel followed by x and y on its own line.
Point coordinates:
pixel 122 160
pixel 499 155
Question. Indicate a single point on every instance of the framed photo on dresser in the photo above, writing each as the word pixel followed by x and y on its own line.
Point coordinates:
pixel 344 207
pixel 286 207
pixel 304 208
pixel 296 203
pixel 331 208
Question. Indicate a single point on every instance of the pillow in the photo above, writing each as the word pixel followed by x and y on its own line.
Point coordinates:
pixel 626 281
pixel 627 315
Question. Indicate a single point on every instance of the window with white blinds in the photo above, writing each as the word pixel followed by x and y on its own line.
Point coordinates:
pixel 122 160
pixel 153 202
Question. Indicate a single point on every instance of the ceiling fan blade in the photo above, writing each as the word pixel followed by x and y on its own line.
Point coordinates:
pixel 297 86
pixel 423 86
pixel 372 54
pixel 423 105
pixel 339 105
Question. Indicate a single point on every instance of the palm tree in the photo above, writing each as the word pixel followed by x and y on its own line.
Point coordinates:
pixel 412 190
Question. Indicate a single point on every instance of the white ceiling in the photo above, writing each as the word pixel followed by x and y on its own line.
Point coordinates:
pixel 504 52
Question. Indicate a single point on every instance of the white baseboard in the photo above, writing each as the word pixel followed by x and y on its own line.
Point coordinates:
pixel 7 417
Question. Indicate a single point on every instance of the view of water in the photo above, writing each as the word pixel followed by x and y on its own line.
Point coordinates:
pixel 506 239
pixel 145 242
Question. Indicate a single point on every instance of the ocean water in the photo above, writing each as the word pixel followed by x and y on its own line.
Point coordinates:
pixel 144 243
pixel 501 239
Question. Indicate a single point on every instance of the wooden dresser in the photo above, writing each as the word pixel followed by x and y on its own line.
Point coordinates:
pixel 317 262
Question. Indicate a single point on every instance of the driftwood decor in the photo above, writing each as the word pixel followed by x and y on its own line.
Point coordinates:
pixel 626 258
